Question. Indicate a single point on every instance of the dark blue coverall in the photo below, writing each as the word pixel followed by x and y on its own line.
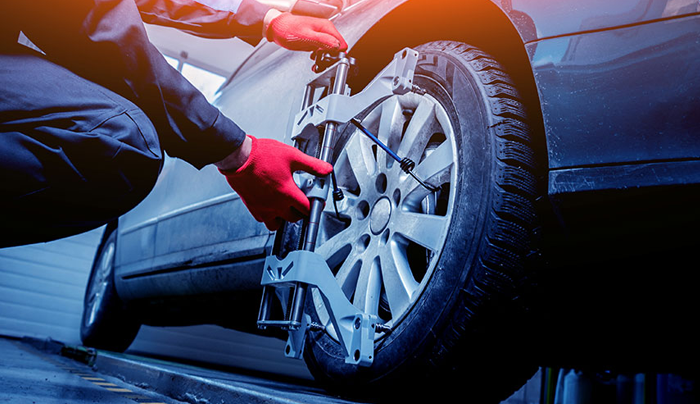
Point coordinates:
pixel 83 124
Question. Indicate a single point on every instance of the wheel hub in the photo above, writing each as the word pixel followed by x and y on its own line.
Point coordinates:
pixel 381 213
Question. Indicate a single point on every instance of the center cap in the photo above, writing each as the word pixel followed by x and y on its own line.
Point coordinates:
pixel 379 218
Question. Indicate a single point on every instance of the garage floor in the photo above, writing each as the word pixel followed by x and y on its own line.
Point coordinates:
pixel 47 372
pixel 29 375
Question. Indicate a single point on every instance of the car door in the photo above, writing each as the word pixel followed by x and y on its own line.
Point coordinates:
pixel 191 218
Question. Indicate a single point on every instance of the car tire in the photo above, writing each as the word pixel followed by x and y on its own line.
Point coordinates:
pixel 106 324
pixel 463 327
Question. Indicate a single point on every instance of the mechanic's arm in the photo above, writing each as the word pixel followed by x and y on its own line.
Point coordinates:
pixel 245 19
pixel 105 42
pixel 208 18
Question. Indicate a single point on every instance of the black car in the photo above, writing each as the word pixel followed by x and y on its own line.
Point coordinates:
pixel 561 141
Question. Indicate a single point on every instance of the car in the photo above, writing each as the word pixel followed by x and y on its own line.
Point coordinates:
pixel 560 142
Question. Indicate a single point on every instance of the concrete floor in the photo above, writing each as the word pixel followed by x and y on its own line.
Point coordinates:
pixel 29 376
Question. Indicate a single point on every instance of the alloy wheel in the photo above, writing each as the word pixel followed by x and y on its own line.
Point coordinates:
pixel 99 284
pixel 388 231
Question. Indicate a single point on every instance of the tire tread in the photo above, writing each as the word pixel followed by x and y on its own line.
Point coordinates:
pixel 512 222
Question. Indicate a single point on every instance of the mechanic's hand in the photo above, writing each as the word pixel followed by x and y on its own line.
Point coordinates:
pixel 265 184
pixel 302 33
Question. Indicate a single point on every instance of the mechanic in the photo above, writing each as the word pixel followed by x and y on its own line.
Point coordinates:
pixel 85 120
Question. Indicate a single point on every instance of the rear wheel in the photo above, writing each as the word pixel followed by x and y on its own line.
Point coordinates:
pixel 106 324
pixel 442 270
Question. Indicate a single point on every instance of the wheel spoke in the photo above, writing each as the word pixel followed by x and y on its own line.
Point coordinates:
pixel 436 163
pixel 422 126
pixel 361 160
pixel 333 245
pixel 348 273
pixel 423 229
pixel 435 169
pixel 92 316
pixel 389 129
pixel 369 287
pixel 399 283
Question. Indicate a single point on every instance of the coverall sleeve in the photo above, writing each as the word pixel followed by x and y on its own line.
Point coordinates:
pixel 105 41
pixel 208 18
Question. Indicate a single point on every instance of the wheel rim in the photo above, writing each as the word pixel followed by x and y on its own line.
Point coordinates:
pixel 388 232
pixel 98 284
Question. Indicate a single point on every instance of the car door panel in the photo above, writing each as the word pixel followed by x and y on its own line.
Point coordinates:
pixel 137 229
pixel 204 220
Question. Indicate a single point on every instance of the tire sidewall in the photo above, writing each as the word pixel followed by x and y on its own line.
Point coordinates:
pixel 454 85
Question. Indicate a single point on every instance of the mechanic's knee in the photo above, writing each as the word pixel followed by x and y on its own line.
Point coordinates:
pixel 137 162
pixel 94 176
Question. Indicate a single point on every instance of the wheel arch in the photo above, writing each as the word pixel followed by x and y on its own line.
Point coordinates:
pixel 479 23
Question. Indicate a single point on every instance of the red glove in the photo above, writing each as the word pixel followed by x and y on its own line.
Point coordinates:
pixel 265 184
pixel 302 33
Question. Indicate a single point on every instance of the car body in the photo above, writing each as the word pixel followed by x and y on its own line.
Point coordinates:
pixel 613 99
pixel 577 59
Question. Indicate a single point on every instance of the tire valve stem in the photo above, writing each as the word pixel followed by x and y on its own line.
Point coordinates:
pixel 382 328
pixel 406 164
pixel 418 90
pixel 316 327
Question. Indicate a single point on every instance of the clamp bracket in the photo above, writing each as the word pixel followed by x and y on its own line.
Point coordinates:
pixel 355 328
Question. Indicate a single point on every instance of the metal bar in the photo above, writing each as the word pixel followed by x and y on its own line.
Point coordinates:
pixel 317 205
pixel 376 140
pixel 284 324
pixel 266 301
pixel 326 154
pixel 308 97
pixel 407 164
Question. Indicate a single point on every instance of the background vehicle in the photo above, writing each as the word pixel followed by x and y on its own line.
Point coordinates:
pixel 562 137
